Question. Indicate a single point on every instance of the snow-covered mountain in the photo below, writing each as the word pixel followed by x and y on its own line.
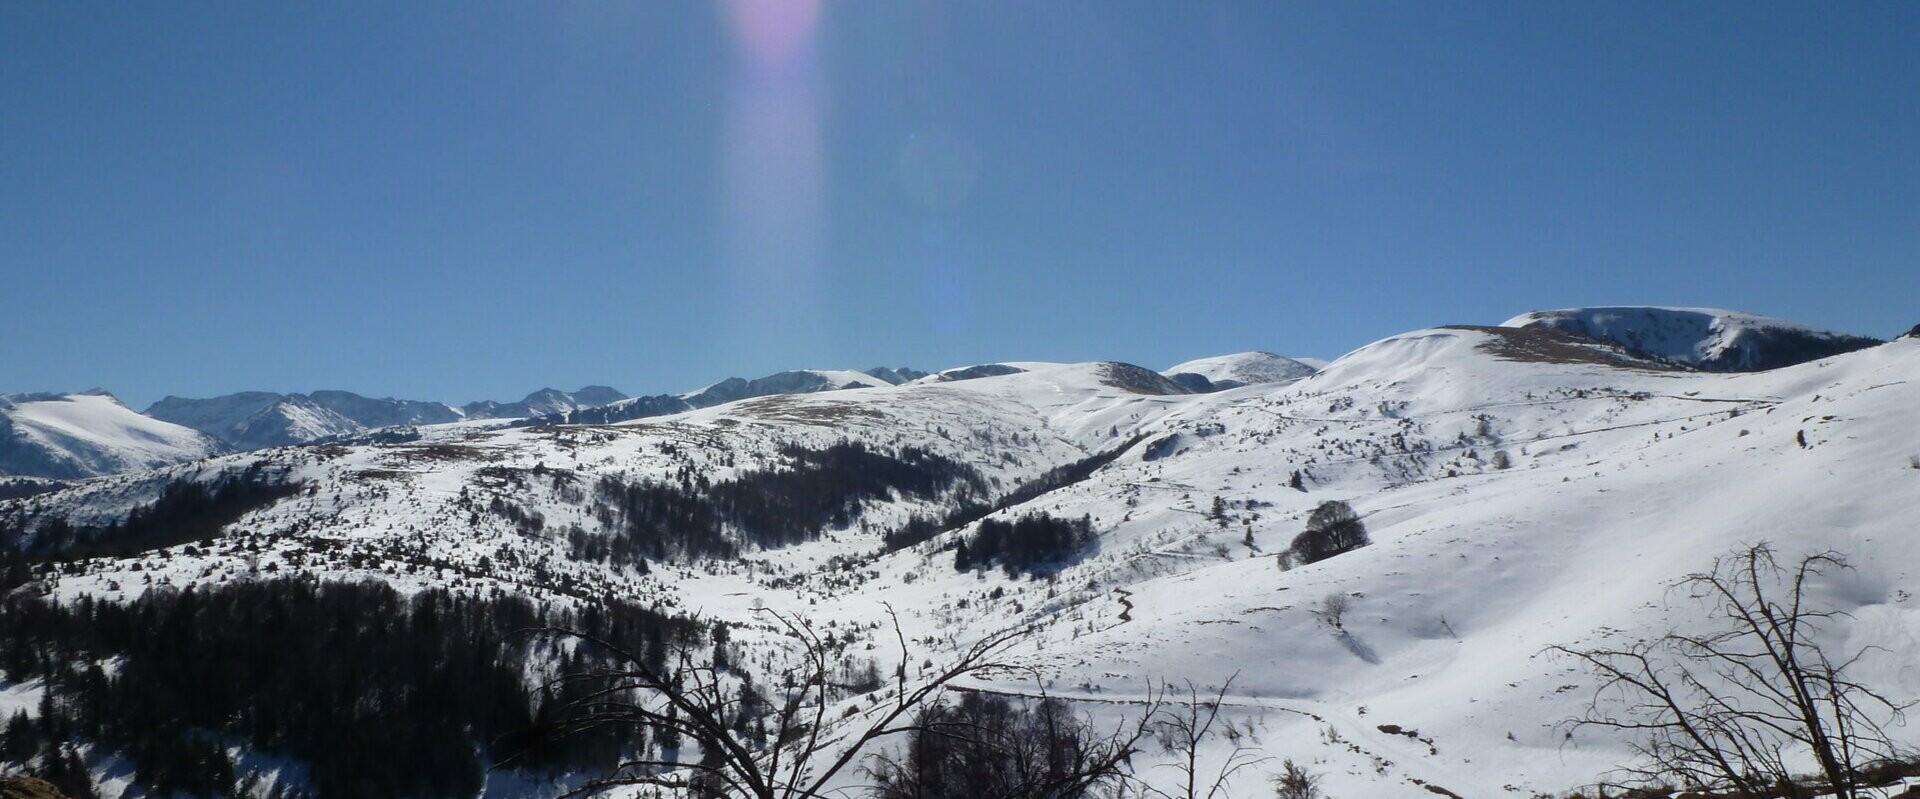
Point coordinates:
pixel 1523 487
pixel 972 372
pixel 798 381
pixel 1240 369
pixel 1705 338
pixel 258 419
pixel 543 402
pixel 89 434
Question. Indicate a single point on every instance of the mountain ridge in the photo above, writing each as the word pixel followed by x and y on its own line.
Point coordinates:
pixel 1523 487
pixel 258 419
pixel 89 434
pixel 1705 338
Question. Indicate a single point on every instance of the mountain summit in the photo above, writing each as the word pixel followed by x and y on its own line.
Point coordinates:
pixel 1222 372
pixel 1710 339
pixel 89 434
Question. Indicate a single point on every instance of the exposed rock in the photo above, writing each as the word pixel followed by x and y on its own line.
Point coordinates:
pixel 28 788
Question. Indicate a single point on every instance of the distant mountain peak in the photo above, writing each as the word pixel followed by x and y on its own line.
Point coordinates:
pixel 1711 339
pixel 1222 372
pixel 896 375
pixel 88 434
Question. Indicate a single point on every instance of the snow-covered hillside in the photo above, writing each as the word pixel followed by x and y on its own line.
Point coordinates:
pixel 1523 487
pixel 88 434
pixel 1240 369
pixel 1707 338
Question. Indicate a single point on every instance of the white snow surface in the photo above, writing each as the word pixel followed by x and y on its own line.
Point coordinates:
pixel 1245 368
pixel 1515 502
pixel 94 434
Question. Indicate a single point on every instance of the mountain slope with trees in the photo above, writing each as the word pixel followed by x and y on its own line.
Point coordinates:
pixel 1368 567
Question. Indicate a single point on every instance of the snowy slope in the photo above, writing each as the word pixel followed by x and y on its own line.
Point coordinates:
pixel 1708 338
pixel 84 435
pixel 1241 369
pixel 1012 429
pixel 1523 488
pixel 798 381
pixel 1618 480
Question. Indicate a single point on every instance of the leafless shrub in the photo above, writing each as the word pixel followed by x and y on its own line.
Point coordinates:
pixel 1295 782
pixel 1732 711
pixel 1333 610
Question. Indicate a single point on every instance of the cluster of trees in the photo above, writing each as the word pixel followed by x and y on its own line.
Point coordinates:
pixel 920 528
pixel 819 489
pixel 372 692
pixel 981 745
pixel 912 738
pixel 15 570
pixel 619 550
pixel 986 745
pixel 16 487
pixel 1034 543
pixel 186 511
pixel 1333 528
pixel 527 522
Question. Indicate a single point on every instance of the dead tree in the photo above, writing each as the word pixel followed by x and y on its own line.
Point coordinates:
pixel 1734 710
pixel 1182 727
pixel 690 700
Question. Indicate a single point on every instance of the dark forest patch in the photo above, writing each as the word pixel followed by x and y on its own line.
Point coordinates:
pixel 818 489
pixel 373 692
pixel 186 511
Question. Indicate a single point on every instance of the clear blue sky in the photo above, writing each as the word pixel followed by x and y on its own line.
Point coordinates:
pixel 472 200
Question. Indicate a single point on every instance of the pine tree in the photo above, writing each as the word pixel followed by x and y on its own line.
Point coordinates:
pixel 20 739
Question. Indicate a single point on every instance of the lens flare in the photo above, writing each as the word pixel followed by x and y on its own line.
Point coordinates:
pixel 773 182
pixel 773 30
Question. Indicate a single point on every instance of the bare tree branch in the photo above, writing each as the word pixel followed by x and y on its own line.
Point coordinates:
pixel 1732 711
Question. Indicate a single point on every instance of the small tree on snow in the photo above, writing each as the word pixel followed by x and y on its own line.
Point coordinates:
pixel 1333 610
pixel 1295 782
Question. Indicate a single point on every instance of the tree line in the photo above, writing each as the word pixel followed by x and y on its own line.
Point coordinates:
pixel 817 490
pixel 921 528
pixel 1033 543
pixel 186 511
pixel 371 691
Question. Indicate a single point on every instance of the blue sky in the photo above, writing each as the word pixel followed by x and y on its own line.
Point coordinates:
pixel 472 200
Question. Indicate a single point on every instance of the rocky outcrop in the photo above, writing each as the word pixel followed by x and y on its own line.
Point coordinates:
pixel 28 788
